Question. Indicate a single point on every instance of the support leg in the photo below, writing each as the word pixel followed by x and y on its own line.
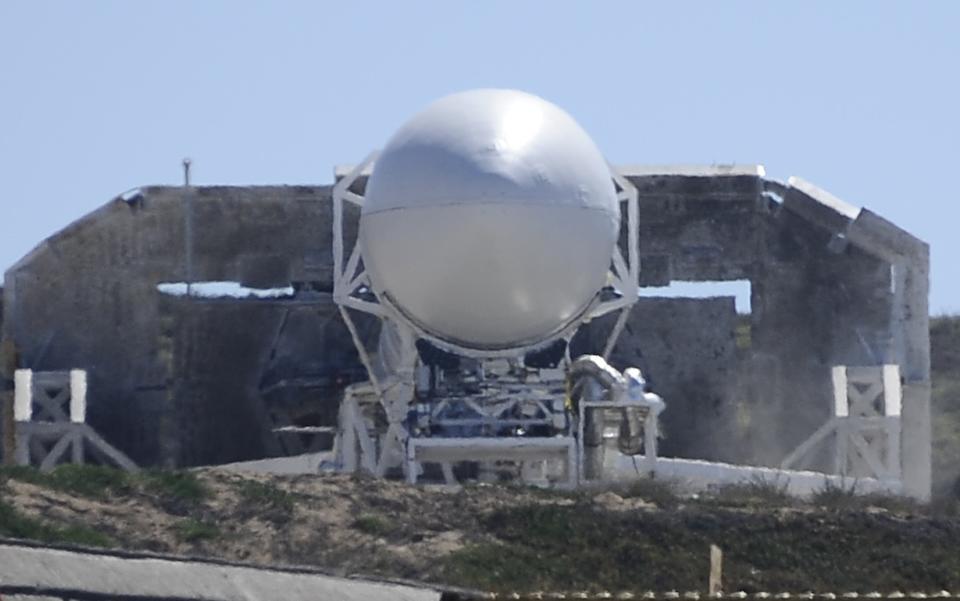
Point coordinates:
pixel 22 452
pixel 76 449
pixel 448 476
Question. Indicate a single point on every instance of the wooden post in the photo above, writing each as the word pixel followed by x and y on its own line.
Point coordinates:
pixel 716 571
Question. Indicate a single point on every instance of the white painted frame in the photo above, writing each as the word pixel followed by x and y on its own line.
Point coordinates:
pixel 854 417
pixel 23 395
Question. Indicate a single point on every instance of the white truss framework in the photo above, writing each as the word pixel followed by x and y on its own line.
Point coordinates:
pixel 865 426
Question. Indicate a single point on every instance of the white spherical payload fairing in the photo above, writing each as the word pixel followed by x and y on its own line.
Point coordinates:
pixel 489 220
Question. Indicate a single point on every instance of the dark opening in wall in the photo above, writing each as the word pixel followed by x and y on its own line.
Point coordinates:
pixel 739 289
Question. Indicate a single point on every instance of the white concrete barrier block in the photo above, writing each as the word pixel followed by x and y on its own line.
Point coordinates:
pixel 841 404
pixel 892 393
pixel 23 395
pixel 78 396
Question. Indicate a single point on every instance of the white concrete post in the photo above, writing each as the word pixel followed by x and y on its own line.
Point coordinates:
pixel 892 400
pixel 915 440
pixel 841 404
pixel 23 395
pixel 78 396
pixel 841 409
pixel 650 433
pixel 651 429
pixel 347 434
pixel 412 471
pixel 892 404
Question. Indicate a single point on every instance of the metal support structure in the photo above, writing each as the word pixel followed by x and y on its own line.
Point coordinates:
pixel 601 388
pixel 865 425
pixel 355 448
pixel 615 333
pixel 364 442
pixel 188 225
pixel 560 450
pixel 50 412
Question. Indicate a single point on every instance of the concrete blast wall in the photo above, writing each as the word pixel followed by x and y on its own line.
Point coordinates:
pixel 187 381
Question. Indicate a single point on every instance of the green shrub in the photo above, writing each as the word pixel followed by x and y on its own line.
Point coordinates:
pixel 755 493
pixel 489 566
pixel 266 495
pixel 174 485
pixel 16 525
pixel 373 525
pixel 192 531
pixel 834 497
pixel 663 493
pixel 92 481
pixel 573 547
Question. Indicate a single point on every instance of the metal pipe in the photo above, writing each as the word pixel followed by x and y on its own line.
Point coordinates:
pixel 188 224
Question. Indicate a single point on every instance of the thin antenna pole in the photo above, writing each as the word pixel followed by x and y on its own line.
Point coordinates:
pixel 188 224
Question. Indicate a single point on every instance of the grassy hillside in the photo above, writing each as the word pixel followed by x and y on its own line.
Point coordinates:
pixel 497 538
pixel 945 376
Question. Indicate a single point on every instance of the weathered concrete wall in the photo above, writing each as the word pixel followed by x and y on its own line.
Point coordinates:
pixel 189 381
pixel 881 287
pixel 178 381
pixel 830 284
pixel 686 350
pixel 698 224
pixel 813 307
pixel 264 364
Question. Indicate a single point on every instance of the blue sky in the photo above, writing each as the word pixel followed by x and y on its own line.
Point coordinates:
pixel 861 98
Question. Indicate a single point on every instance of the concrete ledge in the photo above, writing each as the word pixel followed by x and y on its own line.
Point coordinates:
pixel 701 475
pixel 859 226
pixel 37 571
pixel 308 463
pixel 691 170
pixel 818 206
pixel 883 239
